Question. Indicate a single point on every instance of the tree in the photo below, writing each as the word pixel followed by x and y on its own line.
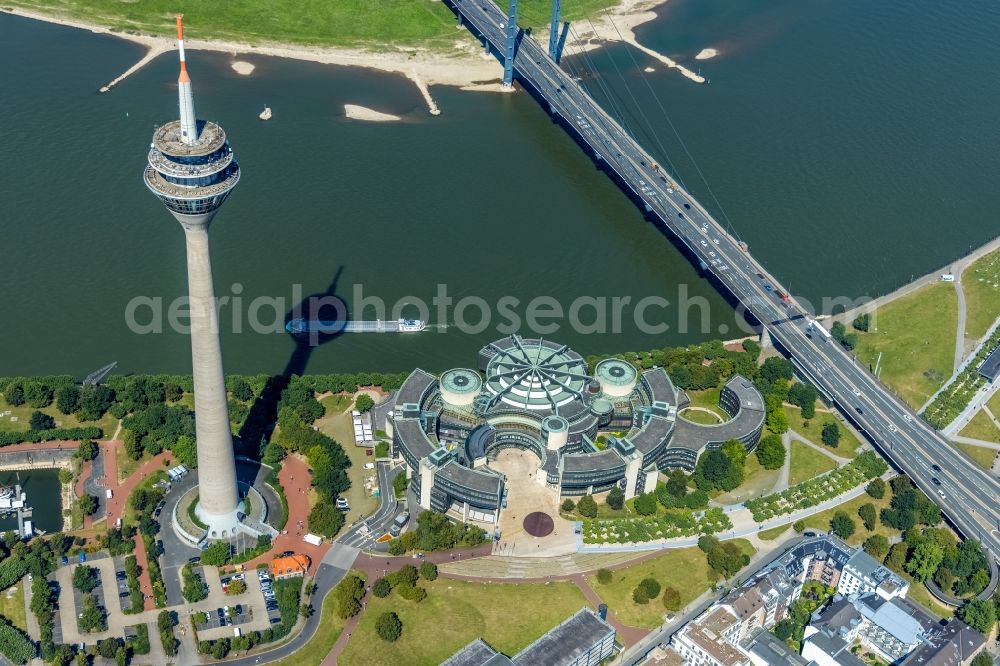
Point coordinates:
pixel 186 451
pixel 639 595
pixel 980 614
pixel 862 322
pixel 85 578
pixel 842 525
pixel 616 499
pixel 364 403
pixel 677 484
pixel 568 505
pixel 925 560
pixel 896 559
pixel 944 579
pixel 381 588
pixel 868 516
pixel 41 421
pixel 776 368
pixel 877 545
pixel 651 586
pixel 671 599
pixel 107 647
pixel 388 626
pixel 68 399
pixel 325 520
pixel 784 629
pixel 735 451
pixel 770 452
pixel 587 507
pixel 215 555
pixel 240 388
pixel 88 504
pixel 777 422
pixel 645 505
pixel 95 400
pixel 876 488
pixel 604 576
pixel 727 559
pixel 87 450
pixel 14 395
pixel 982 659
pixel 236 586
pixel 831 434
pixel 804 395
pixel 428 570
pixel 92 618
pixel 799 526
pixel 38 395
pixel 172 392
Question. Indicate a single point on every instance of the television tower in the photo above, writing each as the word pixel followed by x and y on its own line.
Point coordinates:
pixel 192 170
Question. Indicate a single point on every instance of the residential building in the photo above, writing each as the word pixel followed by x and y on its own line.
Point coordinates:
pixel 710 640
pixel 289 566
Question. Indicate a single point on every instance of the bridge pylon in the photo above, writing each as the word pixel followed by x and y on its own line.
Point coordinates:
pixel 511 46
pixel 554 32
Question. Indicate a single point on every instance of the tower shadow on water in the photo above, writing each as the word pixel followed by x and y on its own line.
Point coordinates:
pixel 259 425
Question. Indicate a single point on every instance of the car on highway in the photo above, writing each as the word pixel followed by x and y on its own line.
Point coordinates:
pixel 715 240
pixel 704 243
pixel 936 468
pixel 907 418
pixel 857 392
pixel 941 493
pixel 892 428
pixel 936 481
pixel 768 287
pixel 687 205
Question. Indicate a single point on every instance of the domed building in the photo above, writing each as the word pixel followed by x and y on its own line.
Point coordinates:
pixel 538 395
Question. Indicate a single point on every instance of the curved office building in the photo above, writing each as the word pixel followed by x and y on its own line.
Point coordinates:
pixel 538 395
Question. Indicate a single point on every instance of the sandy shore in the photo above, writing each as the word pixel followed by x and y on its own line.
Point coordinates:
pixel 356 112
pixel 705 54
pixel 464 65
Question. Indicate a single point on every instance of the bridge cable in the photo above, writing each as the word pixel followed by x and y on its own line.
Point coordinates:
pixel 589 65
pixel 652 131
pixel 683 145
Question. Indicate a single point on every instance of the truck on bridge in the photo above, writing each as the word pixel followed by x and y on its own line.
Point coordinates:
pixel 818 328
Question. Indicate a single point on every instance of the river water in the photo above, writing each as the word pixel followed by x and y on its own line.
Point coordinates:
pixel 850 143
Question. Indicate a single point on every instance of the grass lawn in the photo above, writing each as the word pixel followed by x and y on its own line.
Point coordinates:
pixel 994 403
pixel 127 466
pixel 685 569
pixel 700 416
pixel 384 24
pixel 12 605
pixel 919 593
pixel 341 428
pixel 981 284
pixel 757 481
pixel 821 521
pixel 916 334
pixel 107 423
pixel 813 431
pixel 982 427
pixel 773 533
pixel 708 399
pixel 314 652
pixel 807 463
pixel 507 616
pixel 335 404
pixel 983 456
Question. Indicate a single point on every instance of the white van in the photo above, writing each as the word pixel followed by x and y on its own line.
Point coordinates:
pixel 108 493
pixel 369 466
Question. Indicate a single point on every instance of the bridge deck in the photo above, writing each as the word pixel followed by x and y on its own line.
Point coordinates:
pixel 965 493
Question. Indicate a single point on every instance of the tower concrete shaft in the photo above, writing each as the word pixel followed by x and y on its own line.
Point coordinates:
pixel 218 500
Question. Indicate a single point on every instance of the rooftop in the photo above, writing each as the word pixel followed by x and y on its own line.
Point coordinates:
pixel 772 651
pixel 563 644
pixel 477 653
pixel 167 139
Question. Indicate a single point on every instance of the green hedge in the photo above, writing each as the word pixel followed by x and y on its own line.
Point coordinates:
pixel 32 436
pixel 12 570
pixel 673 525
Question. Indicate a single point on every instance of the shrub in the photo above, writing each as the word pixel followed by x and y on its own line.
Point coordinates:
pixel 568 505
pixel 830 434
pixel 877 546
pixel 842 525
pixel 799 526
pixel 616 499
pixel 876 489
pixel 604 576
pixel 651 587
pixel 587 507
pixel 364 403
pixel 645 504
pixel 411 592
pixel 639 595
pixel 41 421
pixel 388 626
pixel 867 514
pixel 671 599
pixel 428 570
pixel 381 588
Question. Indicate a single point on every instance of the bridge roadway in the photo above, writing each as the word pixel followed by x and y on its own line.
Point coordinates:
pixel 968 496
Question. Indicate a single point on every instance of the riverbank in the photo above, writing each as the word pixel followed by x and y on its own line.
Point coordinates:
pixel 460 62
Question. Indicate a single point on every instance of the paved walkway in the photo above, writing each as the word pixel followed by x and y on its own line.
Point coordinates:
pixel 841 461
pixel 295 479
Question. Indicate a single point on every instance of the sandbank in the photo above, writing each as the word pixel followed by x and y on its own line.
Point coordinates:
pixel 356 112
pixel 705 54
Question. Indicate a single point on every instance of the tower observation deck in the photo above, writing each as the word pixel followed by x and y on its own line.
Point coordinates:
pixel 191 169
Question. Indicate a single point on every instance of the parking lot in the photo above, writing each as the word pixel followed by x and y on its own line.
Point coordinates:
pixel 254 610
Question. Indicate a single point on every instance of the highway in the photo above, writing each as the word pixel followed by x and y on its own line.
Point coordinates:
pixel 966 494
